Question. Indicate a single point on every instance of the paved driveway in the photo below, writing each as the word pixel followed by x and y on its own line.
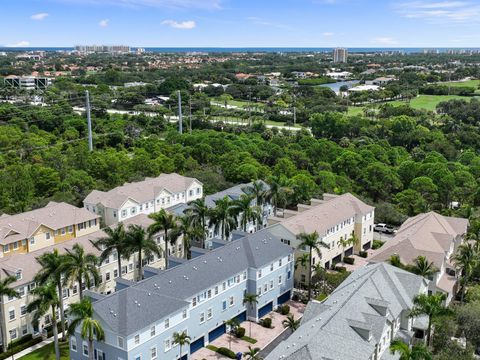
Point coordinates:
pixel 263 335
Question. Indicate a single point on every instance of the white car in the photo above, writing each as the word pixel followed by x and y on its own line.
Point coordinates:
pixel 384 228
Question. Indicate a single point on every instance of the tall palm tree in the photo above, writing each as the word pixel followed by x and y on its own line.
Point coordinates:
pixel 252 353
pixel 163 221
pixel 90 329
pixel 291 323
pixel 113 243
pixel 251 300
pixel 465 259
pixel 417 352
pixel 80 267
pixel 233 324
pixel 258 190
pixel 223 217
pixel 431 306
pixel 141 241
pixel 244 209
pixel 344 243
pixel 313 243
pixel 422 267
pixel 191 232
pixel 278 189
pixel 198 212
pixel 5 288
pixel 46 298
pixel 181 339
pixel 51 263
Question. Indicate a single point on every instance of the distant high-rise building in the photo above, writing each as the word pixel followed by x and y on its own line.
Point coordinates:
pixel 115 49
pixel 340 55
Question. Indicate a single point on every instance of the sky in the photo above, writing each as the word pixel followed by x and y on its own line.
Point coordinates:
pixel 241 23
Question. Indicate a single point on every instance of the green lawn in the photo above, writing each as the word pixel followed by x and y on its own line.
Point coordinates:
pixel 355 110
pixel 48 353
pixel 472 83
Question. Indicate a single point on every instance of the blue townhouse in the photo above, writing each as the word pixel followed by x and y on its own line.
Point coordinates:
pixel 196 296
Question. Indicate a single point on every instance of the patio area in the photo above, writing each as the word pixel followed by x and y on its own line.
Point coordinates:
pixel 359 261
pixel 264 336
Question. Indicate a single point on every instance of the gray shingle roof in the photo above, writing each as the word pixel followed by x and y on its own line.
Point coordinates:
pixel 187 280
pixel 328 328
pixel 234 193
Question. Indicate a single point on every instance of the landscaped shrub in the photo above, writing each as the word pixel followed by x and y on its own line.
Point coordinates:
pixel 20 341
pixel 267 322
pixel 363 254
pixel 226 352
pixel 341 269
pixel 377 244
pixel 348 260
pixel 18 348
pixel 240 332
pixel 284 309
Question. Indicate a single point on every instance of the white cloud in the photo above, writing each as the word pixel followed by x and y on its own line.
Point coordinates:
pixel 103 23
pixel 328 34
pixel 184 25
pixel 186 4
pixel 39 16
pixel 20 44
pixel 441 11
pixel 384 40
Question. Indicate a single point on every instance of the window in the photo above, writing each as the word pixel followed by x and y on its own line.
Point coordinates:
pixel 209 313
pixel 216 290
pixel 23 310
pixel 115 273
pixel 24 242
pixel 137 339
pixel 198 190
pixel 260 273
pixel 73 344
pixel 184 314
pixel 289 275
pixel 21 291
pixel 190 193
pixel 11 314
pixel 271 284
pixel 120 342
pixel 194 302
pixel 63 233
pixel 224 286
pixel 114 214
pixel 85 349
pixel 280 279
pixel 18 274
pixel 133 210
pixel 107 276
pixel 24 330
pixel 15 245
pixel 202 317
pixel 167 344
pixel 271 267
pixel 280 262
pixel 259 291
pixel 167 323
pixel 70 229
pixel 74 289
pixel 124 213
pixel 6 248
pixel 47 235
pixel 244 275
pixel 232 301
pixel 153 352
pixel 209 293
pixel 224 305
pixel 13 334
pixel 265 288
pixel 152 331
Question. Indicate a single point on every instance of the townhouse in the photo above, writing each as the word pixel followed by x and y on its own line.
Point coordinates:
pixel 431 235
pixel 334 218
pixel 144 197
pixel 197 296
pixel 44 227
pixel 359 319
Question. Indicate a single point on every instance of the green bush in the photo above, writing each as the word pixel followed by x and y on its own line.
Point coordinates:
pixel 16 349
pixel 20 341
pixel 363 254
pixel 285 309
pixel 377 244
pixel 240 332
pixel 226 352
pixel 340 269
pixel 348 260
pixel 267 322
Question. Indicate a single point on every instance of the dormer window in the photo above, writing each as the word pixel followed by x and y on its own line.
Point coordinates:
pixel 18 274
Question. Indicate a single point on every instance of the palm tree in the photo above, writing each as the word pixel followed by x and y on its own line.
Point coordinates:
pixel 431 306
pixel 90 328
pixel 312 242
pixel 395 261
pixel 251 300
pixel 190 231
pixel 291 323
pixel 80 267
pixel 243 208
pixel 166 222
pixel 252 354
pixel 46 298
pixel 113 243
pixel 422 267
pixel 198 212
pixel 140 241
pixel 258 190
pixel 51 263
pixel 278 191
pixel 233 324
pixel 465 259
pixel 5 288
pixel 344 243
pixel 417 352
pixel 223 217
pixel 181 339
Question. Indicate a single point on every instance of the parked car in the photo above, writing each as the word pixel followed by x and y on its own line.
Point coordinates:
pixel 384 228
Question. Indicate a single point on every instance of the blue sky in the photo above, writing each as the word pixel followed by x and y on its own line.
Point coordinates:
pixel 241 23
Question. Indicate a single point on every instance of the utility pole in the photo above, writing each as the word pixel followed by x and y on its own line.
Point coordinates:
pixel 89 120
pixel 180 119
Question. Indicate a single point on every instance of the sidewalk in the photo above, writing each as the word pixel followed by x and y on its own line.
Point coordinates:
pixel 34 347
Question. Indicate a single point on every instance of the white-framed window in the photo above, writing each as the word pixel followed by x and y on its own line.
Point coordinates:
pixel 216 290
pixel 167 323
pixel 232 301
pixel 107 276
pixel 114 214
pixel 70 229
pixel 11 314
pixel 259 274
pixel 167 345
pixel 120 342
pixel 152 331
pixel 13 334
pixel 15 245
pixel 209 313
pixel 244 275
pixel 21 291
pixel 280 279
pixel 115 273
pixel 137 339
pixel 63 233
pixel 124 213
pixel 85 349
pixel 23 310
pixel 24 330
pixel 271 267
pixel 280 262
pixel 153 352
pixel 73 343
pixel 271 284
pixel 6 248
pixel 265 288
pixel 47 235
pixel 184 314
pixel 18 274
pixel 259 291
pixel 202 317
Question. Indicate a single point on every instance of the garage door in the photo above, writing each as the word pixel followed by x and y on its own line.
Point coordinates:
pixel 216 333
pixel 242 317
pixel 264 310
pixel 196 345
pixel 282 299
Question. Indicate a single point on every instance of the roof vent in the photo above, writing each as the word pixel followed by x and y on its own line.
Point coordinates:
pixel 138 304
pixel 149 294
pixel 204 261
pixel 169 281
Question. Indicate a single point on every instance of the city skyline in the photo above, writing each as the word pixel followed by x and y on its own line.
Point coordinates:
pixel 231 23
